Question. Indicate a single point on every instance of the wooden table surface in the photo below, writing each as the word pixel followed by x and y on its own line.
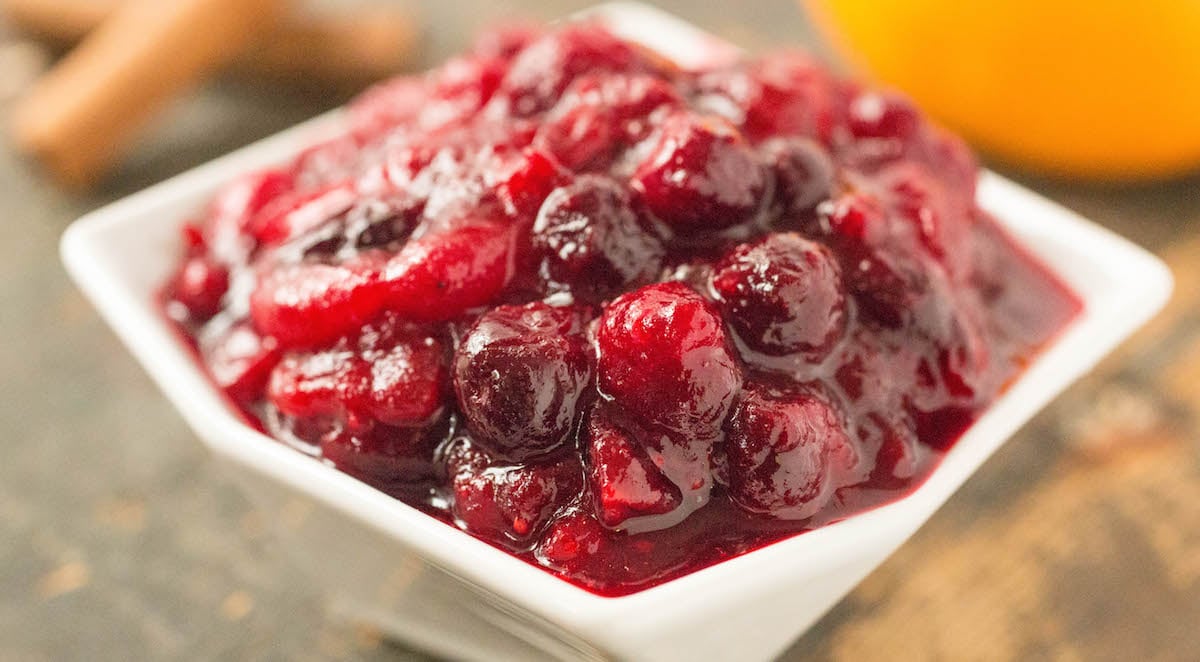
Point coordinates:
pixel 1080 540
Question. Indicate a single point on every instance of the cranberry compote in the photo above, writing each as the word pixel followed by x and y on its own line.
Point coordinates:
pixel 619 319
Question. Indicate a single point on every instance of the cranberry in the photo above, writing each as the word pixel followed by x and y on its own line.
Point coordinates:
pixel 519 374
pixel 290 216
pixel 666 340
pixel 701 176
pixel 235 205
pixel 440 276
pixel 394 375
pixel 783 295
pixel 523 182
pixel 599 115
pixel 787 452
pixel 384 456
pixel 240 361
pixel 508 504
pixel 460 88
pixel 882 115
pixel 783 94
pixel 630 491
pixel 541 72
pixel 314 304
pixel 803 175
pixel 588 237
pixel 199 285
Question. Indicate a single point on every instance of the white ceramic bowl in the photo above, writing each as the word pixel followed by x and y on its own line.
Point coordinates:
pixel 444 590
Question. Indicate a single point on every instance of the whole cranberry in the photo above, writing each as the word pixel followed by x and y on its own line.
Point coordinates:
pixel 199 285
pixel 519 374
pixel 701 176
pixel 589 238
pixel 630 492
pixel 664 357
pixel 804 176
pixel 788 451
pixel 783 295
pixel 509 504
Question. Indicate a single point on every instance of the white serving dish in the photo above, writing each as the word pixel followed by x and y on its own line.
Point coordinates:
pixel 440 588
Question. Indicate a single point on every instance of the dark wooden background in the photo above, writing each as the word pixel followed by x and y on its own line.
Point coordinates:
pixel 119 539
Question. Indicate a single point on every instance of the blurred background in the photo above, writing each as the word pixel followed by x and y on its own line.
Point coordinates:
pixel 1079 540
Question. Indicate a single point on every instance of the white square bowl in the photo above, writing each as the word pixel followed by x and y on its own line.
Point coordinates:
pixel 444 590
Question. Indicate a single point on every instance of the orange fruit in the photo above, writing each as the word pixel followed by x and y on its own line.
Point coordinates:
pixel 1104 90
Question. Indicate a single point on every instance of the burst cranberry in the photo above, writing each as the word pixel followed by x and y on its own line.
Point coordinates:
pixel 664 357
pixel 240 362
pixel 235 205
pixel 782 94
pixel 519 374
pixel 787 452
pixel 588 237
pixel 540 73
pixel 524 181
pixel 313 304
pixel 701 176
pixel 876 115
pixel 291 216
pixel 508 504
pixel 783 295
pixel 600 115
pixel 391 373
pixel 630 491
pixel 440 276
pixel 460 88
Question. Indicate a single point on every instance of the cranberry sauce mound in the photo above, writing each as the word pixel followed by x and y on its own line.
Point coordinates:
pixel 620 320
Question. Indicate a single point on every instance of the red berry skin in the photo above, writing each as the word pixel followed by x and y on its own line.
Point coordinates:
pixel 240 362
pixel 384 456
pixel 629 491
pixel 292 215
pixel 701 176
pixel 306 305
pixel 234 207
pixel 523 182
pixel 392 373
pixel 538 75
pixel 520 373
pixel 588 238
pixel 200 285
pixel 664 357
pixel 788 452
pixel 783 295
pixel 509 504
pixel 440 276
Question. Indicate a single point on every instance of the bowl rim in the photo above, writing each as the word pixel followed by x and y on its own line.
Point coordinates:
pixel 1120 284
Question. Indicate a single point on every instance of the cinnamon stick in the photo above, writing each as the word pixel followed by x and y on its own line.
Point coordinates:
pixel 351 47
pixel 85 111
